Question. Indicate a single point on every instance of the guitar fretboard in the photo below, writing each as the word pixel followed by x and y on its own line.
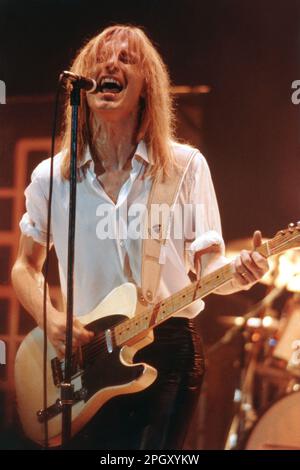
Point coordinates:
pixel 155 315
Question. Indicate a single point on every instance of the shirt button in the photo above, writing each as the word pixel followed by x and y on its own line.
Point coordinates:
pixel 149 295
pixel 122 243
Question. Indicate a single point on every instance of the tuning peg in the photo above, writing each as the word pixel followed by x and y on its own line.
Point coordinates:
pixel 291 227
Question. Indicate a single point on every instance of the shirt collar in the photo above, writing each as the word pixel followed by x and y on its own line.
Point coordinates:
pixel 87 157
pixel 141 152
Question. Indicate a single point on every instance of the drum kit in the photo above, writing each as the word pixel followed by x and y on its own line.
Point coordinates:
pixel 267 397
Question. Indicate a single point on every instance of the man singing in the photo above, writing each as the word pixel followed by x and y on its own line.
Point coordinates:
pixel 125 144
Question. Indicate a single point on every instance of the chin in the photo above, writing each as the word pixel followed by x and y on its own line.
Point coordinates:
pixel 108 111
pixel 114 108
pixel 105 105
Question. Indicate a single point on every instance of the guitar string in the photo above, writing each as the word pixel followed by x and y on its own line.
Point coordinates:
pixel 101 339
pixel 91 350
pixel 99 344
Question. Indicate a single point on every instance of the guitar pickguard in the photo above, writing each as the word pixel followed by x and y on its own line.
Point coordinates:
pixel 103 368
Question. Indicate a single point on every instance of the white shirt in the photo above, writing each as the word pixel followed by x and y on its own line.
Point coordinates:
pixel 100 263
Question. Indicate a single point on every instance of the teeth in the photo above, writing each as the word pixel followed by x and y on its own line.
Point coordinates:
pixel 110 80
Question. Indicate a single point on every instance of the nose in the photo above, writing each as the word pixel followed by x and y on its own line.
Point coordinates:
pixel 111 63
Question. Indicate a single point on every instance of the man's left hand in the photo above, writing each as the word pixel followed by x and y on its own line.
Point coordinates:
pixel 250 266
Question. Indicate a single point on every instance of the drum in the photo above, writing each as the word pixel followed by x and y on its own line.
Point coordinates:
pixel 290 334
pixel 279 427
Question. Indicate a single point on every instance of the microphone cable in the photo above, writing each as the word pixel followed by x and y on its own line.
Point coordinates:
pixel 46 266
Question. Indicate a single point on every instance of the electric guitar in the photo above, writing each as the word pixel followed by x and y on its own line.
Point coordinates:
pixel 104 368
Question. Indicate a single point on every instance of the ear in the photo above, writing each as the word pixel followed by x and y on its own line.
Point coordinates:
pixel 143 120
pixel 144 91
pixel 142 104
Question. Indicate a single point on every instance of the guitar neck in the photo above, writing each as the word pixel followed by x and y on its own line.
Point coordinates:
pixel 153 316
pixel 160 312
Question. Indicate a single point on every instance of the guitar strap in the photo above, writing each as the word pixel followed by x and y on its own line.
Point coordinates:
pixel 158 221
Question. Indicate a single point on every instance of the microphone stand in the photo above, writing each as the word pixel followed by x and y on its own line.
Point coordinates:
pixel 67 388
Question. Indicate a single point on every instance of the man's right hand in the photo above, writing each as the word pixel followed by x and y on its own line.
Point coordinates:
pixel 26 278
pixel 56 332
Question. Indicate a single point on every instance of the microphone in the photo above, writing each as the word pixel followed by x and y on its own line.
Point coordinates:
pixel 88 84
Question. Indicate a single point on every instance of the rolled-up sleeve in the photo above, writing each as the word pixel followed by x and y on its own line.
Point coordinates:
pixel 34 221
pixel 207 223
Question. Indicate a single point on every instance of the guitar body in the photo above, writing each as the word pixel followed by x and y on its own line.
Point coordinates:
pixel 104 368
pixel 104 375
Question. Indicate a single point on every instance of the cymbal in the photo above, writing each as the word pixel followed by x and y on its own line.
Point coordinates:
pixel 267 322
pixel 289 271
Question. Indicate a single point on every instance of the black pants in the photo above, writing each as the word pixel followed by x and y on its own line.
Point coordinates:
pixel 158 417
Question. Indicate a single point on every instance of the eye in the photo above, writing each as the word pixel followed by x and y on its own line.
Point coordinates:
pixel 127 57
pixel 100 58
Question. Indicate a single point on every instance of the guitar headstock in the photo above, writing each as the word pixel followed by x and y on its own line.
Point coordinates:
pixel 285 239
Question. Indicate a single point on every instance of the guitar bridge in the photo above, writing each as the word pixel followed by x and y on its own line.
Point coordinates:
pixel 57 372
pixel 58 368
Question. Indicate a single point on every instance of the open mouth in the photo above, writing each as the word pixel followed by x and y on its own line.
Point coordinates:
pixel 110 85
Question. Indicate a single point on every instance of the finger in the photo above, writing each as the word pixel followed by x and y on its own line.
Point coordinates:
pixel 76 341
pixel 86 336
pixel 243 268
pixel 240 279
pixel 261 263
pixel 197 263
pixel 83 331
pixel 82 335
pixel 58 332
pixel 252 272
pixel 243 264
pixel 59 337
pixel 239 269
pixel 257 239
pixel 61 351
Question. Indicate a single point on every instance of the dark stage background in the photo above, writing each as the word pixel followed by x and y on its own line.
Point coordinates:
pixel 248 53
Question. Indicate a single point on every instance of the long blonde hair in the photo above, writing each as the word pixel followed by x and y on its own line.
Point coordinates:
pixel 157 118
